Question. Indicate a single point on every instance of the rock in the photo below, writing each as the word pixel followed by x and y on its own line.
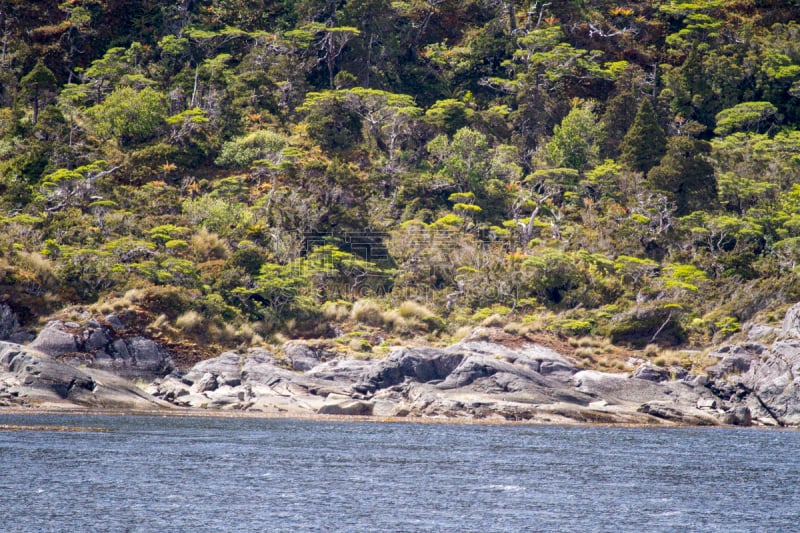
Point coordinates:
pixel 757 332
pixel 96 338
pixel 421 365
pixel 774 380
pixel 148 358
pixel 336 404
pixel 97 346
pixel 37 379
pixel 169 388
pixel 226 368
pixel 114 323
pixel 677 372
pixel 301 356
pixel 738 416
pixel 555 367
pixel 8 322
pixel 54 341
pixel 651 372
pixel 206 383
pixel 733 359
pixel 679 414
pixel 706 403
pixel 791 323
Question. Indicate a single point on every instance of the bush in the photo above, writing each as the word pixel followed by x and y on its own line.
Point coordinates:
pixel 338 311
pixel 646 325
pixel 494 321
pixel 367 312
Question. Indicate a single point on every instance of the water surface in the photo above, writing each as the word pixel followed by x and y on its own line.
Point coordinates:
pixel 246 474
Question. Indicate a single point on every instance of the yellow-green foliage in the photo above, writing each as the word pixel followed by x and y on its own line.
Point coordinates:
pixel 337 311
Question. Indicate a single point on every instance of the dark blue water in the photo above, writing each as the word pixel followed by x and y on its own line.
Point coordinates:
pixel 206 474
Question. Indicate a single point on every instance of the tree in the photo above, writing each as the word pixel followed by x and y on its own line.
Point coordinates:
pixel 645 142
pixel 685 175
pixel 464 161
pixel 747 116
pixel 331 123
pixel 128 115
pixel 576 141
pixel 37 86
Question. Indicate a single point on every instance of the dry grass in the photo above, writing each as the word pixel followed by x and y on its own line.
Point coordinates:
pixel 462 333
pixel 412 309
pixel 494 321
pixel 190 321
pixel 367 312
pixel 336 311
pixel 206 245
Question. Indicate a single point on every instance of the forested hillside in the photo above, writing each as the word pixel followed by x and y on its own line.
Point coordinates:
pixel 225 171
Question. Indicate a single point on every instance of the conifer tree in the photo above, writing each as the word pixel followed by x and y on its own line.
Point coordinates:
pixel 37 85
pixel 645 143
pixel 685 175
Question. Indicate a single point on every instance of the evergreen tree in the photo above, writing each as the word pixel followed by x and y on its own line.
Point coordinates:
pixel 645 143
pixel 37 85
pixel 685 175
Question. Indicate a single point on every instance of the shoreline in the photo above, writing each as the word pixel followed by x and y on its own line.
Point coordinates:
pixel 199 413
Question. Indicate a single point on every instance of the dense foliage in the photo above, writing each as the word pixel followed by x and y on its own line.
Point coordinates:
pixel 628 169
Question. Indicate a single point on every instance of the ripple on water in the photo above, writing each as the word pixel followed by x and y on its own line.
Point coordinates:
pixel 156 474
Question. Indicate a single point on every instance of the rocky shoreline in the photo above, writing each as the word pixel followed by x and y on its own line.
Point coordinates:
pixel 487 377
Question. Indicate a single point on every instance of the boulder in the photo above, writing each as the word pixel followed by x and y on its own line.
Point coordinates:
pixel 54 341
pixel 226 368
pixel 677 413
pixel 8 322
pixel 774 380
pixel 336 404
pixel 732 359
pixel 706 403
pixel 651 372
pixel 758 332
pixel 97 346
pixel 301 356
pixel 36 379
pixel 420 364
pixel 206 383
pixel 791 323
pixel 738 416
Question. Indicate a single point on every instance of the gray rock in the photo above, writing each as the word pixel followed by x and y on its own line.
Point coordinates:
pixel 733 359
pixel 706 403
pixel 8 322
pixel 206 383
pixel 54 341
pixel 148 357
pixel 677 372
pixel 95 339
pixel 677 413
pixel 774 380
pixel 342 405
pixel 791 322
pixel 300 356
pixel 556 367
pixel 757 332
pixel 115 323
pixel 226 368
pixel 651 372
pixel 421 365
pixel 738 416
pixel 39 380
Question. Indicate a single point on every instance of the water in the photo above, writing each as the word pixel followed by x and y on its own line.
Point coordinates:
pixel 223 474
